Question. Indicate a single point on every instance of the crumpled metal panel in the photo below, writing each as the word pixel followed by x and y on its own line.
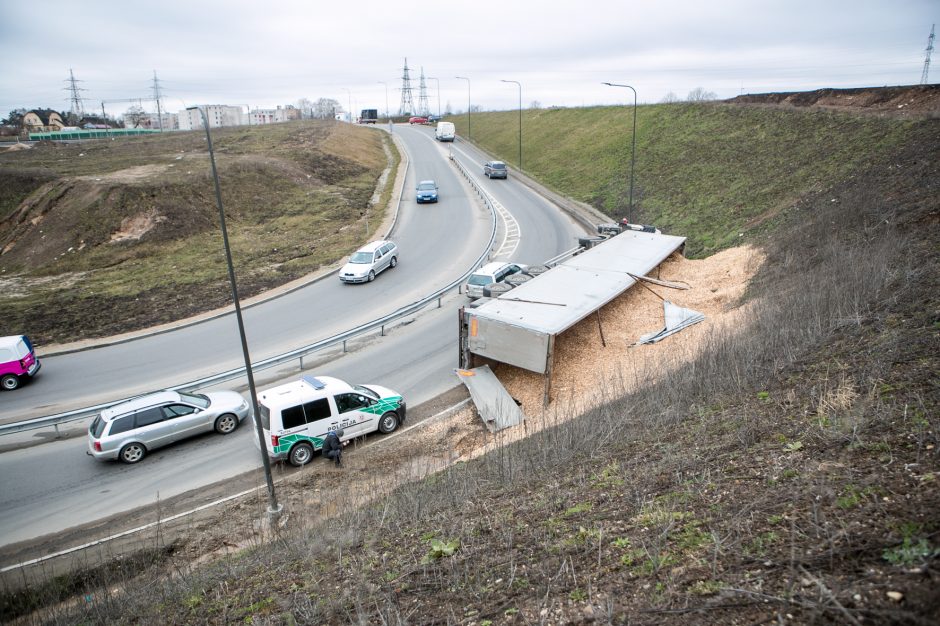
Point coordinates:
pixel 494 404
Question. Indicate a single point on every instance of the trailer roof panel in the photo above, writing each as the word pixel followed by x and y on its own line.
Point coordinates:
pixel 556 300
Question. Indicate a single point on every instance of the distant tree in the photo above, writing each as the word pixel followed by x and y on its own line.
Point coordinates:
pixel 535 104
pixel 475 108
pixel 325 108
pixel 15 118
pixel 447 109
pixel 133 117
pixel 699 94
pixel 670 98
pixel 306 108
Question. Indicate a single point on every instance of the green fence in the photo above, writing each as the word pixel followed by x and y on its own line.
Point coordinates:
pixel 98 133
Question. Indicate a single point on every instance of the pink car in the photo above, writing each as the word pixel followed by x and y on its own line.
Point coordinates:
pixel 17 359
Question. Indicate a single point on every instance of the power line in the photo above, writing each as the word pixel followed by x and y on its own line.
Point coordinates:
pixel 923 76
pixel 156 96
pixel 75 107
pixel 423 108
pixel 407 102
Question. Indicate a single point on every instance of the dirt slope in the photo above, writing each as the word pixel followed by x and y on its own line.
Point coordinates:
pixel 905 101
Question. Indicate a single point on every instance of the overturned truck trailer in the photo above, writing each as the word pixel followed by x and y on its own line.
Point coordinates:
pixel 520 326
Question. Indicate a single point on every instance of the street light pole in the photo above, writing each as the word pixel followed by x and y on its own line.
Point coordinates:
pixel 274 509
pixel 633 156
pixel 438 94
pixel 518 84
pixel 468 103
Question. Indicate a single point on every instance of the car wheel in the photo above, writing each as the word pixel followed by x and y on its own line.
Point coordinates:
pixel 132 453
pixel 371 275
pixel 301 454
pixel 394 261
pixel 10 382
pixel 224 424
pixel 388 422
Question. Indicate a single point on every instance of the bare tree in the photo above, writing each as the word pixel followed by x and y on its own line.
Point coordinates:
pixel 670 98
pixel 306 108
pixel 325 108
pixel 447 109
pixel 535 104
pixel 133 117
pixel 699 94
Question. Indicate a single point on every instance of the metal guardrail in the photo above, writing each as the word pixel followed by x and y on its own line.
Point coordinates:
pixel 299 353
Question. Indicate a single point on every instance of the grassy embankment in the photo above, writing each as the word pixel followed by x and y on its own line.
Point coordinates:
pixel 707 172
pixel 295 197
pixel 788 475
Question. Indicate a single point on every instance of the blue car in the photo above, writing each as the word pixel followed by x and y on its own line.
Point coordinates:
pixel 427 191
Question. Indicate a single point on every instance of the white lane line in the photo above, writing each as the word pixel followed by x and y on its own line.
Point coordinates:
pixel 512 232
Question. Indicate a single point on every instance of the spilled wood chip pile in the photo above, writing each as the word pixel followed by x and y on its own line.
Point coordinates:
pixel 587 372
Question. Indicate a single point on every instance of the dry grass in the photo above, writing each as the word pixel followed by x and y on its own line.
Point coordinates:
pixel 783 472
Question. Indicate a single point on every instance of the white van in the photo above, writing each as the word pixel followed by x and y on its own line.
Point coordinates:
pixel 296 417
pixel 445 131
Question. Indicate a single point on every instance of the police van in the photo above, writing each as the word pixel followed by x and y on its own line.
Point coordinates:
pixel 296 417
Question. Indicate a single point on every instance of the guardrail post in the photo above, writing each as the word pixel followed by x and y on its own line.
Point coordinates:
pixel 57 433
pixel 301 362
pixel 344 346
pixel 383 330
pixel 438 302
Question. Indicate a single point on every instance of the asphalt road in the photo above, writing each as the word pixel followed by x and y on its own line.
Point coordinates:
pixel 50 487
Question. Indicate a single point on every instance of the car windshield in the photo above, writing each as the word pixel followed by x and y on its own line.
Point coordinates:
pixel 361 257
pixel 498 166
pixel 426 186
pixel 366 392
pixel 197 399
pixel 480 279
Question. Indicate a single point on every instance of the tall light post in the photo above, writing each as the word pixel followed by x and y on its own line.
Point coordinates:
pixel 468 103
pixel 438 94
pixel 349 97
pixel 518 84
pixel 633 155
pixel 274 509
pixel 382 82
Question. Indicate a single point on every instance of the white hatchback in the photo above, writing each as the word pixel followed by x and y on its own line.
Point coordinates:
pixel 368 261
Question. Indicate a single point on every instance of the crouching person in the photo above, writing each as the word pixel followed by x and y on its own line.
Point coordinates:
pixel 333 447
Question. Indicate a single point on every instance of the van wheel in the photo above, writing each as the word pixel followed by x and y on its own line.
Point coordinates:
pixel 388 422
pixel 394 261
pixel 132 453
pixel 371 275
pixel 224 424
pixel 10 382
pixel 301 454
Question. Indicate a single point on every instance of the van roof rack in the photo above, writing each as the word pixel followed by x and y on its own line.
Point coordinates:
pixel 314 382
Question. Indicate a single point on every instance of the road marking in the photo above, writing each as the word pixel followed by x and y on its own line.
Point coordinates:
pixel 512 232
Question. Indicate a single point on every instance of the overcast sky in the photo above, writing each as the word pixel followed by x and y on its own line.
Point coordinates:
pixel 272 53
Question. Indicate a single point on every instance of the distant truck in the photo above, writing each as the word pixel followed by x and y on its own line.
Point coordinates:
pixel 369 116
pixel 445 131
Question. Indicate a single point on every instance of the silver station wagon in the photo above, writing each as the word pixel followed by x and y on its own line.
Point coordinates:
pixel 368 261
pixel 129 430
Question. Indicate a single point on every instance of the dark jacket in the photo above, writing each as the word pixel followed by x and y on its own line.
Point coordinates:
pixel 331 443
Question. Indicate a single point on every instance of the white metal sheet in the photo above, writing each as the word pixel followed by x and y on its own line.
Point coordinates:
pixel 517 345
pixel 556 300
pixel 496 407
